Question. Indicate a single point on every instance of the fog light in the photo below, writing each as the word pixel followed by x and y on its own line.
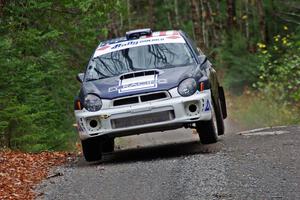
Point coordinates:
pixel 193 108
pixel 93 123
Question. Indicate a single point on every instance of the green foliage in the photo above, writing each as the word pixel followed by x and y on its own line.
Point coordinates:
pixel 239 64
pixel 277 98
pixel 280 70
pixel 42 43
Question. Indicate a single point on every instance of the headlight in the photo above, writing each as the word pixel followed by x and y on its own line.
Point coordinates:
pixel 92 103
pixel 187 87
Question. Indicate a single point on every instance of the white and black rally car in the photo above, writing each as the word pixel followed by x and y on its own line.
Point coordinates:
pixel 144 82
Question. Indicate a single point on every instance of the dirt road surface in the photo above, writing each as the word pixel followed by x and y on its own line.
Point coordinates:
pixel 260 164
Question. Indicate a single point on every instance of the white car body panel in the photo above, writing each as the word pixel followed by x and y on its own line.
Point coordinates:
pixel 175 104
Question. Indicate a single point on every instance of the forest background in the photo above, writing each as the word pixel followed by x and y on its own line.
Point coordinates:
pixel 254 45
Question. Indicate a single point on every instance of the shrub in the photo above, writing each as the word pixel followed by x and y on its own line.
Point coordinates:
pixel 279 73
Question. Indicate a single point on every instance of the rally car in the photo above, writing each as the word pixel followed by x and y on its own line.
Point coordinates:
pixel 144 82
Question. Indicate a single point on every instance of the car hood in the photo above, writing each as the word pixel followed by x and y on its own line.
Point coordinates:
pixel 120 86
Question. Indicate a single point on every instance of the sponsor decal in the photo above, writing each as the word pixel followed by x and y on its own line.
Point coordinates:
pixel 136 84
pixel 173 37
pixel 160 39
pixel 120 45
pixel 207 107
pixel 103 47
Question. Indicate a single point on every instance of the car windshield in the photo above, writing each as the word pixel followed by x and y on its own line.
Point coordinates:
pixel 155 56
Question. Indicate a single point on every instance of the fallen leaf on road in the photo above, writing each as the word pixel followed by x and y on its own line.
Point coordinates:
pixel 20 172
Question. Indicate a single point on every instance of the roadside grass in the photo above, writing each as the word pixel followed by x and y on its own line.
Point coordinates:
pixel 255 110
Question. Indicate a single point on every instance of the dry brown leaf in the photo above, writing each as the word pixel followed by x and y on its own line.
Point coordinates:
pixel 20 172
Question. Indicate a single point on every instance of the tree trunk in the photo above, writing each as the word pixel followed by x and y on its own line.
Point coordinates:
pixel 211 35
pixel 128 13
pixel 196 24
pixel 169 15
pixel 247 19
pixel 151 14
pixel 2 4
pixel 177 23
pixel 220 24
pixel 113 28
pixel 262 23
pixel 204 24
pixel 9 133
pixel 231 15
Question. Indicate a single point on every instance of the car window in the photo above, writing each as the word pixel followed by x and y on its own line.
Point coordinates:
pixel 155 56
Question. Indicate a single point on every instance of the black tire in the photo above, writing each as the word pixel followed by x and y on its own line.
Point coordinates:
pixel 219 117
pixel 108 145
pixel 92 150
pixel 209 130
pixel 223 102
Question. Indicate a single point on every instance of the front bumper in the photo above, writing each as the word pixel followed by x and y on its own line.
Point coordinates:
pixel 112 122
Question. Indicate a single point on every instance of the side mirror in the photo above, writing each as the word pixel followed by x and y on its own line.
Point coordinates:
pixel 202 58
pixel 80 77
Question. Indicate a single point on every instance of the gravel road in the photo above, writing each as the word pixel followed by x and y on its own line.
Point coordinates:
pixel 260 164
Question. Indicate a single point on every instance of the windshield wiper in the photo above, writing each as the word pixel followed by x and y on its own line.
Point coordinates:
pixel 179 65
pixel 166 66
pixel 93 79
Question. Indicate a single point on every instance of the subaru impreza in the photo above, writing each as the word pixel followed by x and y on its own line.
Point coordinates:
pixel 144 82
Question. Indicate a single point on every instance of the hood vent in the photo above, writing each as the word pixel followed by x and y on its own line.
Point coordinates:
pixel 138 74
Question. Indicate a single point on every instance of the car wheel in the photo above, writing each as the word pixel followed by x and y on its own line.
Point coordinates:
pixel 108 145
pixel 219 118
pixel 208 130
pixel 92 149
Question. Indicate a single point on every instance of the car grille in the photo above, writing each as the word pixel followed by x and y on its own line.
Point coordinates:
pixel 141 98
pixel 143 119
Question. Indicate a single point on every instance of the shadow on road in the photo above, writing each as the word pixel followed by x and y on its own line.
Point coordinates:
pixel 163 151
